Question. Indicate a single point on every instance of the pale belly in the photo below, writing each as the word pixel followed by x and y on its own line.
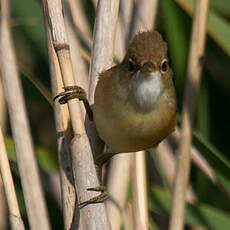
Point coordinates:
pixel 131 132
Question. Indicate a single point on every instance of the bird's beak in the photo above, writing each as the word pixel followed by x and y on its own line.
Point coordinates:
pixel 148 67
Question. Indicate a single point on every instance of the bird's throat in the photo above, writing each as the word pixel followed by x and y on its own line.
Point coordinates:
pixel 146 88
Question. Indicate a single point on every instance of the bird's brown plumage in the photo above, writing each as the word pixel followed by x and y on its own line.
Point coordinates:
pixel 145 46
pixel 122 126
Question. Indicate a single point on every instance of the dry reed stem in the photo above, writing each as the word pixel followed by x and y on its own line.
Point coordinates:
pixel 103 41
pixel 126 16
pixel 198 159
pixel 168 162
pixel 143 16
pixel 9 185
pixel 16 223
pixel 119 44
pixel 117 185
pixel 80 24
pixel 61 116
pixel 164 153
pixel 123 26
pixel 3 112
pixel 79 65
pixel 54 15
pixel 91 216
pixel 139 185
pixel 8 179
pixel 34 199
pixel 3 207
pixel 79 17
pixel 191 90
pixel 128 217
pixel 203 165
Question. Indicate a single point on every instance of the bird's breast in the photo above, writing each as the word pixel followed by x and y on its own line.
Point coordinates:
pixel 145 90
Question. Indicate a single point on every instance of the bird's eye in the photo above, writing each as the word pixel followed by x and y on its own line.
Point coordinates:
pixel 164 66
pixel 131 65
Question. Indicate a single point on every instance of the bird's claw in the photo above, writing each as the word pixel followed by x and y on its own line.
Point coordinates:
pixel 97 199
pixel 71 92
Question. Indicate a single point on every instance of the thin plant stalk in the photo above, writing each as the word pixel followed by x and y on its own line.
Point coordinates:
pixel 119 44
pixel 139 185
pixel 117 185
pixel 79 17
pixel 168 163
pixel 188 112
pixel 198 159
pixel 203 165
pixel 3 112
pixel 126 18
pixel 61 116
pixel 29 173
pixel 3 206
pixel 128 217
pixel 14 213
pixel 61 122
pixel 143 16
pixel 103 41
pixel 79 23
pixel 79 65
pixel 91 216
pixel 123 26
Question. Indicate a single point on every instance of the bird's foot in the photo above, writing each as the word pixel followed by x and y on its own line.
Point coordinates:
pixel 97 199
pixel 71 92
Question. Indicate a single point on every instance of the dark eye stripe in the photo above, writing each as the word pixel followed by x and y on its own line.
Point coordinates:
pixel 131 65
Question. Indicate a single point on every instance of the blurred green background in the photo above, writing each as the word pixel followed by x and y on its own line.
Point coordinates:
pixel 212 126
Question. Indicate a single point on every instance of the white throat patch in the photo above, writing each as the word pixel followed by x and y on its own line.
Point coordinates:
pixel 145 90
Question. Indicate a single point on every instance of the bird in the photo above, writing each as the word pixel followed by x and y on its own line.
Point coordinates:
pixel 135 101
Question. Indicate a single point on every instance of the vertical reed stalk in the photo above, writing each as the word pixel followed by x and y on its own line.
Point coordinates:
pixel 117 185
pixel 3 206
pixel 61 116
pixel 29 173
pixel 189 104
pixel 91 216
pixel 139 185
pixel 103 41
pixel 14 213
